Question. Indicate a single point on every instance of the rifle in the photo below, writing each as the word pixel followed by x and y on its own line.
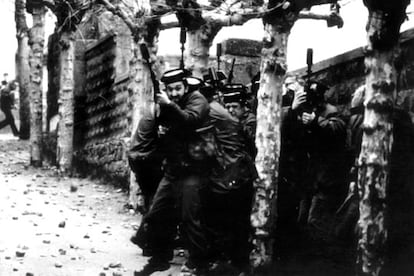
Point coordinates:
pixel 231 76
pixel 214 78
pixel 146 56
pixel 309 95
pixel 183 38
pixel 309 62
pixel 218 52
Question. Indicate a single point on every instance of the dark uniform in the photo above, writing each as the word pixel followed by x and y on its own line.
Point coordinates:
pixel 145 156
pixel 312 182
pixel 177 192
pixel 230 192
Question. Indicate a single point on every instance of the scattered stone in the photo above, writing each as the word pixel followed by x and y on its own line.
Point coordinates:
pixel 102 274
pixel 29 274
pixel 116 274
pixel 62 224
pixel 93 250
pixel 20 254
pixel 106 267
pixel 57 264
pixel 15 218
pixel 46 241
pixel 115 265
pixel 15 269
pixel 73 188
pixel 62 251
pixel 7 257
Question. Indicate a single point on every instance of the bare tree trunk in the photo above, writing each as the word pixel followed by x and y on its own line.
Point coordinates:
pixel 37 38
pixel 23 69
pixel 199 43
pixel 141 99
pixel 374 159
pixel 273 68
pixel 141 96
pixel 64 151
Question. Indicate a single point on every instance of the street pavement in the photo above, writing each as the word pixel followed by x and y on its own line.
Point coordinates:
pixel 54 225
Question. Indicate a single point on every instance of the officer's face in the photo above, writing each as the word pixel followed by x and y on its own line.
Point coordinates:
pixel 176 90
pixel 235 109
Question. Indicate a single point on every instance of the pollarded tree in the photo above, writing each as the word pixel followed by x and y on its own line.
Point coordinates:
pixel 23 69
pixel 36 42
pixel 383 28
pixel 278 22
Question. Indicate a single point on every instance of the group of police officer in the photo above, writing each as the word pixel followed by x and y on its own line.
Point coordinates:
pixel 193 156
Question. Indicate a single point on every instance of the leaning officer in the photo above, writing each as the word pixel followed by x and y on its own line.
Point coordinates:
pixel 235 100
pixel 181 113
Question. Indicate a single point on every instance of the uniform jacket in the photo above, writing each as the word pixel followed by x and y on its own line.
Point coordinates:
pixel 181 120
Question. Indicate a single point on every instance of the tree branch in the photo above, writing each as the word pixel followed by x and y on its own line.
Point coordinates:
pixel 170 21
pixel 332 19
pixel 122 14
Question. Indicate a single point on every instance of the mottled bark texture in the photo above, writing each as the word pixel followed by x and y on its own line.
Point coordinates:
pixel 23 69
pixel 273 69
pixel 383 28
pixel 37 39
pixel 199 43
pixel 140 87
pixel 141 98
pixel 64 151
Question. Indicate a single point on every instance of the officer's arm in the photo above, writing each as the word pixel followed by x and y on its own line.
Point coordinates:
pixel 191 115
pixel 250 127
pixel 331 126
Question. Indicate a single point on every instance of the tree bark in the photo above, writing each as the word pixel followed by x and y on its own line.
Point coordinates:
pixel 374 159
pixel 37 38
pixel 23 69
pixel 141 98
pixel 199 43
pixel 64 151
pixel 140 87
pixel 273 69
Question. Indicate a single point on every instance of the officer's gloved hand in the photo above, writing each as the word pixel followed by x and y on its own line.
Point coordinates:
pixel 307 118
pixel 162 98
pixel 299 99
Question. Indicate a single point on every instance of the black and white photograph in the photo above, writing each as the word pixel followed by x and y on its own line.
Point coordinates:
pixel 207 138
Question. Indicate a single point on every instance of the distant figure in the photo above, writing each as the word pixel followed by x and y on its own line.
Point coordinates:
pixel 4 82
pixel 6 105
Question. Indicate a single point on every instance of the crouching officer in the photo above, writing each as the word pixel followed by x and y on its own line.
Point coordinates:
pixel 181 113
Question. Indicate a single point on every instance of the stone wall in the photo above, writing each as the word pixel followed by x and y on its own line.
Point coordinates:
pixel 346 72
pixel 107 118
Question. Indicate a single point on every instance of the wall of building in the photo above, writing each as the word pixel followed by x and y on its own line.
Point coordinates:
pixel 346 72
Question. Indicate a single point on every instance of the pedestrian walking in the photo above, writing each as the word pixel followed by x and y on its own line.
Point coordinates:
pixel 6 106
